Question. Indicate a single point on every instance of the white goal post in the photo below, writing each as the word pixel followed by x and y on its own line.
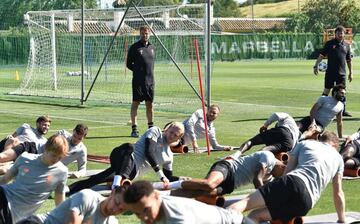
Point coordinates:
pixel 54 64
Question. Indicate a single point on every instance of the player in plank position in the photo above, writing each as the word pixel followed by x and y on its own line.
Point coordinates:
pixel 312 165
pixel 152 207
pixel 130 161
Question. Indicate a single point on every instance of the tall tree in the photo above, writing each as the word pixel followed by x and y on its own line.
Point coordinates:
pixel 318 15
pixel 12 11
pixel 223 8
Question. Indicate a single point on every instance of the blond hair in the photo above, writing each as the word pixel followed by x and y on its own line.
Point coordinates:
pixel 57 144
pixel 176 124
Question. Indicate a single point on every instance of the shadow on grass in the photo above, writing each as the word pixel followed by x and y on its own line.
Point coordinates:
pixel 105 137
pixel 261 119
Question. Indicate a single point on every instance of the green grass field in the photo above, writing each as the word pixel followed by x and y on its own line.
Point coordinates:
pixel 247 92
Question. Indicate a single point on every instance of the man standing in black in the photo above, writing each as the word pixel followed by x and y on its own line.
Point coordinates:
pixel 338 52
pixel 140 60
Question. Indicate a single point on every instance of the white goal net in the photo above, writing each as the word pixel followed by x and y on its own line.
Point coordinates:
pixel 54 64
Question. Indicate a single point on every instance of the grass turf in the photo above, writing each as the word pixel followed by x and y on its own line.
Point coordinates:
pixel 247 92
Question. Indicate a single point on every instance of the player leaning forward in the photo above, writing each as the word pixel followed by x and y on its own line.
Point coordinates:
pixel 35 177
pixel 312 165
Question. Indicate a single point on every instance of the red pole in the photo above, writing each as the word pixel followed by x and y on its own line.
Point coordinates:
pixel 202 94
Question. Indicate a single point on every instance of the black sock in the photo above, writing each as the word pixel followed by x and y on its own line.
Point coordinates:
pixel 134 127
pixel 151 124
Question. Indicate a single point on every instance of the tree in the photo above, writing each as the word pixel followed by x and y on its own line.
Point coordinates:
pixel 318 15
pixel 222 8
pixel 12 11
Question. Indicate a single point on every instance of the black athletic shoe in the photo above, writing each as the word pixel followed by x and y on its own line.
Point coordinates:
pixel 346 114
pixel 134 134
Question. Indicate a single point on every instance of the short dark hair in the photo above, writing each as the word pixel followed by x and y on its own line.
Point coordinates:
pixel 340 29
pixel 137 190
pixel 215 106
pixel 81 129
pixel 337 88
pixel 144 28
pixel 328 136
pixel 45 118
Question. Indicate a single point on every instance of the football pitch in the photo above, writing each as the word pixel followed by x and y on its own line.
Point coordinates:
pixel 247 91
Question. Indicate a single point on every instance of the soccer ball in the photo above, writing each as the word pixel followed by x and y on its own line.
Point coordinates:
pixel 322 66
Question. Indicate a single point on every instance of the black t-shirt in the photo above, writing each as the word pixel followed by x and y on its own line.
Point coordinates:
pixel 141 60
pixel 338 54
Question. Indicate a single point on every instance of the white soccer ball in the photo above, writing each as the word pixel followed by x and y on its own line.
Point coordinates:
pixel 322 66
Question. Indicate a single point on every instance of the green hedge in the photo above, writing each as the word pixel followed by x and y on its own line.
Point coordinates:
pixel 14 49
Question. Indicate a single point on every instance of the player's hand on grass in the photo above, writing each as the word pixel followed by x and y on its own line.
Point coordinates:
pixel 166 182
pixel 195 147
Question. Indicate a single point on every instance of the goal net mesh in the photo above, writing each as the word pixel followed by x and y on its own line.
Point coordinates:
pixel 54 64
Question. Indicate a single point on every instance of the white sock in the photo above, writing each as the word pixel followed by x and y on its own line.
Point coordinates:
pixel 116 181
pixel 158 185
pixel 175 185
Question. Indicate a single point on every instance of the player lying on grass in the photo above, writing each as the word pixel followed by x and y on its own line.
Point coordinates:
pixel 26 133
pixel 351 151
pixel 128 161
pixel 86 206
pixel 76 151
pixel 35 177
pixel 312 165
pixel 195 129
pixel 281 138
pixel 232 172
pixel 152 207
pixel 323 112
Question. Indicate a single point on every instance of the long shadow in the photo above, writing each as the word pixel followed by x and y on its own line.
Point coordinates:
pixel 351 118
pixel 260 119
pixel 105 137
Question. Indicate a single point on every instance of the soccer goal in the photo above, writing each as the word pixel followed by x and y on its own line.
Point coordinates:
pixel 54 64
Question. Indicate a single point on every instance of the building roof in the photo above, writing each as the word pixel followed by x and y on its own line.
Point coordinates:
pixel 241 25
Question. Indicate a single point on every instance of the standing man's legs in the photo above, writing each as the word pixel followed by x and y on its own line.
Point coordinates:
pixel 133 115
pixel 150 113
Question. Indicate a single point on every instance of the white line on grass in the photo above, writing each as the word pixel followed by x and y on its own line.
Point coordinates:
pixel 273 106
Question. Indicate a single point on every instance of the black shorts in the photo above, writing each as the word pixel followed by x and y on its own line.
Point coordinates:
pixel 334 79
pixel 2 144
pixel 227 186
pixel 122 162
pixel 5 214
pixel 279 137
pixel 286 198
pixel 306 122
pixel 356 156
pixel 143 92
pixel 29 147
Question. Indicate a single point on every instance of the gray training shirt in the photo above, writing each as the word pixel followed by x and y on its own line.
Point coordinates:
pixel 286 121
pixel 33 183
pixel 244 168
pixel 76 153
pixel 329 107
pixel 26 133
pixel 86 203
pixel 163 154
pixel 318 163
pixel 195 129
pixel 189 211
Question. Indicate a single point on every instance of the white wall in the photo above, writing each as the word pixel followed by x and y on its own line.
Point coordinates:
pixel 105 4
